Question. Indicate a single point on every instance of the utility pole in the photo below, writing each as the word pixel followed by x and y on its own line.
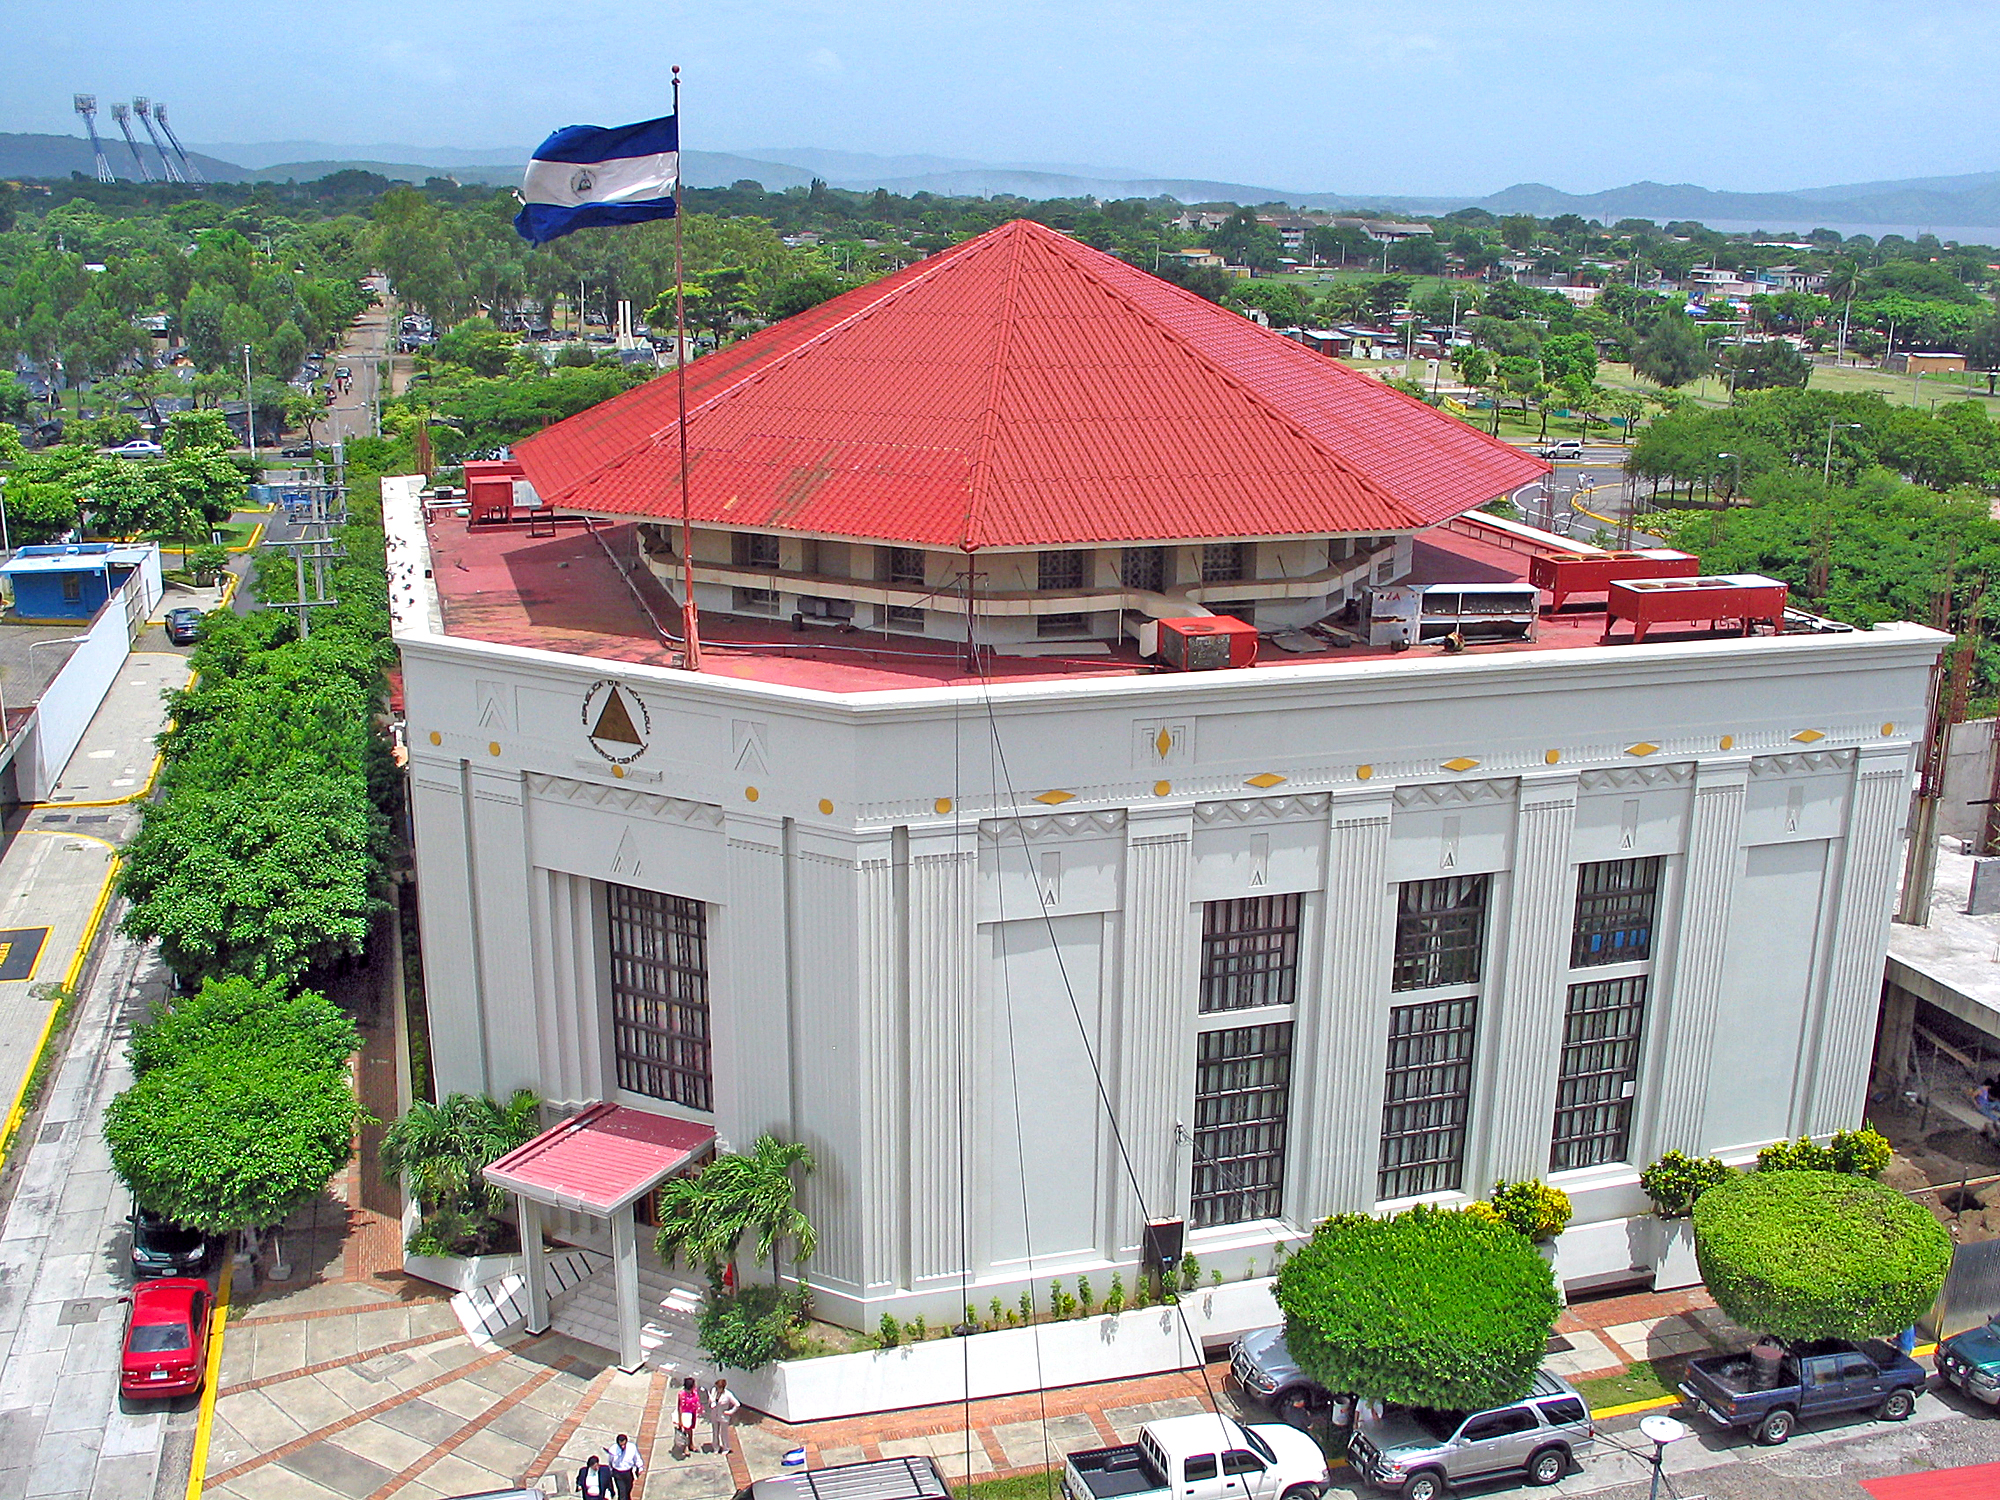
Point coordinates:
pixel 1950 679
pixel 249 407
pixel 317 543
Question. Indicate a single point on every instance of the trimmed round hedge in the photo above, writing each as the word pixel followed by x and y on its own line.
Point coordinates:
pixel 1818 1255
pixel 1432 1307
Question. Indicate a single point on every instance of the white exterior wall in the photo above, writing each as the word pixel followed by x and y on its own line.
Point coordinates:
pixel 942 921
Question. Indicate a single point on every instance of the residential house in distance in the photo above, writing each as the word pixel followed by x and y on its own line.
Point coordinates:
pixel 1126 781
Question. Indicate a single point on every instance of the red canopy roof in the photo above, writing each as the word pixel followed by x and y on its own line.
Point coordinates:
pixel 600 1160
pixel 1024 390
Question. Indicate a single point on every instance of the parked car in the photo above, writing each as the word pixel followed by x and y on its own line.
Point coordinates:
pixel 1805 1380
pixel 1419 1452
pixel 165 1337
pixel 1263 1366
pixel 160 1247
pixel 301 450
pixel 913 1478
pixel 137 448
pixel 1566 448
pixel 184 625
pixel 342 372
pixel 1971 1361
pixel 1205 1457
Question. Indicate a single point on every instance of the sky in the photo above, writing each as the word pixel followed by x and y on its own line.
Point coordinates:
pixel 1357 96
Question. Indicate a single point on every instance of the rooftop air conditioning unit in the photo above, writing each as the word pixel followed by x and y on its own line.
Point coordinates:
pixel 1207 643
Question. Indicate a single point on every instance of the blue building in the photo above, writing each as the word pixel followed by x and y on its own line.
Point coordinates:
pixel 74 582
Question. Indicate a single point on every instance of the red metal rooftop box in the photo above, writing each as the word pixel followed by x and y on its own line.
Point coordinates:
pixel 1749 598
pixel 489 488
pixel 1208 642
pixel 1566 573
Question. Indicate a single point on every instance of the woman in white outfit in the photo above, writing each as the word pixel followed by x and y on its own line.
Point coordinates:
pixel 722 1405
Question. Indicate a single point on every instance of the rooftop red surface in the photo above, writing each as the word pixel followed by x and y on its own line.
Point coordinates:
pixel 562 593
pixel 1020 390
pixel 602 1158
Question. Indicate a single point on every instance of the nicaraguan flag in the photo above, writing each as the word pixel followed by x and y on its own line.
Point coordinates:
pixel 585 175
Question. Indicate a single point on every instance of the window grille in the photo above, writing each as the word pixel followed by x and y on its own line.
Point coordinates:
pixel 1427 1098
pixel 755 551
pixel 1143 568
pixel 1602 1026
pixel 659 995
pixel 1059 572
pixel 906 566
pixel 1440 932
pixel 905 617
pixel 1249 952
pixel 1061 625
pixel 1242 1093
pixel 1615 903
pixel 1223 562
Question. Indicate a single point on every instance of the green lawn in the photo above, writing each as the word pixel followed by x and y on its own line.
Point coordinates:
pixel 234 534
pixel 1045 1485
pixel 1640 1382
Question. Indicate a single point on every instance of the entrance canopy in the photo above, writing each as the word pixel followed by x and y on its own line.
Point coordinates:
pixel 601 1160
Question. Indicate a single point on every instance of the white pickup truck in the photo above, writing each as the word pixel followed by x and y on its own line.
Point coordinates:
pixel 1203 1457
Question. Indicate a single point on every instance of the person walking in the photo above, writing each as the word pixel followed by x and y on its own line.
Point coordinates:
pixel 722 1407
pixel 687 1411
pixel 593 1480
pixel 622 1457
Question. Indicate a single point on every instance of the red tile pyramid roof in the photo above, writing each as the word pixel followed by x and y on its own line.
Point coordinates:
pixel 1024 390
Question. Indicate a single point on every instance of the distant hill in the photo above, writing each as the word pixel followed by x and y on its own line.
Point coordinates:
pixel 1969 199
pixel 60 155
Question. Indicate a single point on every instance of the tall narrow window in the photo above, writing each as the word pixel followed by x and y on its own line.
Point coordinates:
pixel 755 551
pixel 1615 904
pixel 659 996
pixel 1599 1074
pixel 1440 932
pixel 1059 572
pixel 1428 1097
pixel 1143 568
pixel 1249 952
pixel 906 566
pixel 1243 1083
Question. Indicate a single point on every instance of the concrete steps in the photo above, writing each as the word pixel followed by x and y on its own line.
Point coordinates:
pixel 494 1309
pixel 669 1306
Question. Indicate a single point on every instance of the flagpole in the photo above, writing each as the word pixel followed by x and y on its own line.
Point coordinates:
pixel 690 620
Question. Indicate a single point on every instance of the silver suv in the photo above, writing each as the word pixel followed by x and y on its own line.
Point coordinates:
pixel 1418 1451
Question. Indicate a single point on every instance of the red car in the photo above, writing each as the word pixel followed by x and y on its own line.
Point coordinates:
pixel 166 1338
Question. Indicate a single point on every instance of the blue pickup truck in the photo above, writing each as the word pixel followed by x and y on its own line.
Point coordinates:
pixel 1819 1379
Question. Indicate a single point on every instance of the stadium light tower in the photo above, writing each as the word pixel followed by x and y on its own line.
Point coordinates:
pixel 86 105
pixel 143 108
pixel 189 171
pixel 122 113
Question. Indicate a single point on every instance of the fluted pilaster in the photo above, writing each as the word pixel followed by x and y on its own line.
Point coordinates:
pixel 943 879
pixel 1157 1007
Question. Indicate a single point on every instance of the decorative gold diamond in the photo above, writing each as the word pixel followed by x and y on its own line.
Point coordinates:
pixel 1644 747
pixel 1055 798
pixel 1164 743
pixel 1264 780
pixel 1807 736
pixel 1460 763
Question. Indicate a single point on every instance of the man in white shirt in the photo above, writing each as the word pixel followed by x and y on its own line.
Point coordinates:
pixel 625 1464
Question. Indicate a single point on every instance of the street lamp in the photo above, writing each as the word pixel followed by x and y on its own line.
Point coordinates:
pixel 249 408
pixel 1736 478
pixel 1826 468
pixel 1661 1431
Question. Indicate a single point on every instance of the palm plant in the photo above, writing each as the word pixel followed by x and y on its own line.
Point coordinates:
pixel 703 1219
pixel 1843 281
pixel 441 1151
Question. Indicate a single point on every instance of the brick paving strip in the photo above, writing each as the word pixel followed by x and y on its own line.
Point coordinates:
pixel 649 1425
pixel 362 1308
pixel 362 1357
pixel 355 1419
pixel 579 1414
pixel 478 1424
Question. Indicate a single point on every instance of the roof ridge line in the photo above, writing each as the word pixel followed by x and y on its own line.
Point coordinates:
pixel 1291 424
pixel 982 462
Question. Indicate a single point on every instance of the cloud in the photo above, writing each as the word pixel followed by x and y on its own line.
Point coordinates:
pixel 825 62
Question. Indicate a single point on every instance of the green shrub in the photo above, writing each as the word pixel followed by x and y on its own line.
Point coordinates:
pixel 891 1332
pixel 1677 1180
pixel 1812 1255
pixel 1430 1308
pixel 1028 1304
pixel 994 1305
pixel 208 561
pixel 1190 1269
pixel 1801 1155
pixel 1864 1152
pixel 748 1328
pixel 1114 1300
pixel 1532 1208
pixel 305 1030
pixel 1086 1298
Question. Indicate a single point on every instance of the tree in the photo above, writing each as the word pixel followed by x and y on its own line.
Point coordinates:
pixel 237 1142
pixel 1474 367
pixel 790 298
pixel 478 346
pixel 303 1030
pixel 197 429
pixel 1819 1255
pixel 1982 350
pixel 1567 354
pixel 439 1151
pixel 704 1218
pixel 1431 1307
pixel 1670 352
pixel 1764 364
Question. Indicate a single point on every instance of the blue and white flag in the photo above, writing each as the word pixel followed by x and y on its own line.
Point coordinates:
pixel 585 175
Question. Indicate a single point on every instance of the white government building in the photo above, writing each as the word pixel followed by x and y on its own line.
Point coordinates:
pixel 1032 953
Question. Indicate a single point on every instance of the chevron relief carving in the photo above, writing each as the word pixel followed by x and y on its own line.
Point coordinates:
pixel 1632 778
pixel 1052 826
pixel 1802 763
pixel 1261 809
pixel 1456 793
pixel 645 804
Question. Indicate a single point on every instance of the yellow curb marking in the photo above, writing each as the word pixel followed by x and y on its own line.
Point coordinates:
pixel 211 1379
